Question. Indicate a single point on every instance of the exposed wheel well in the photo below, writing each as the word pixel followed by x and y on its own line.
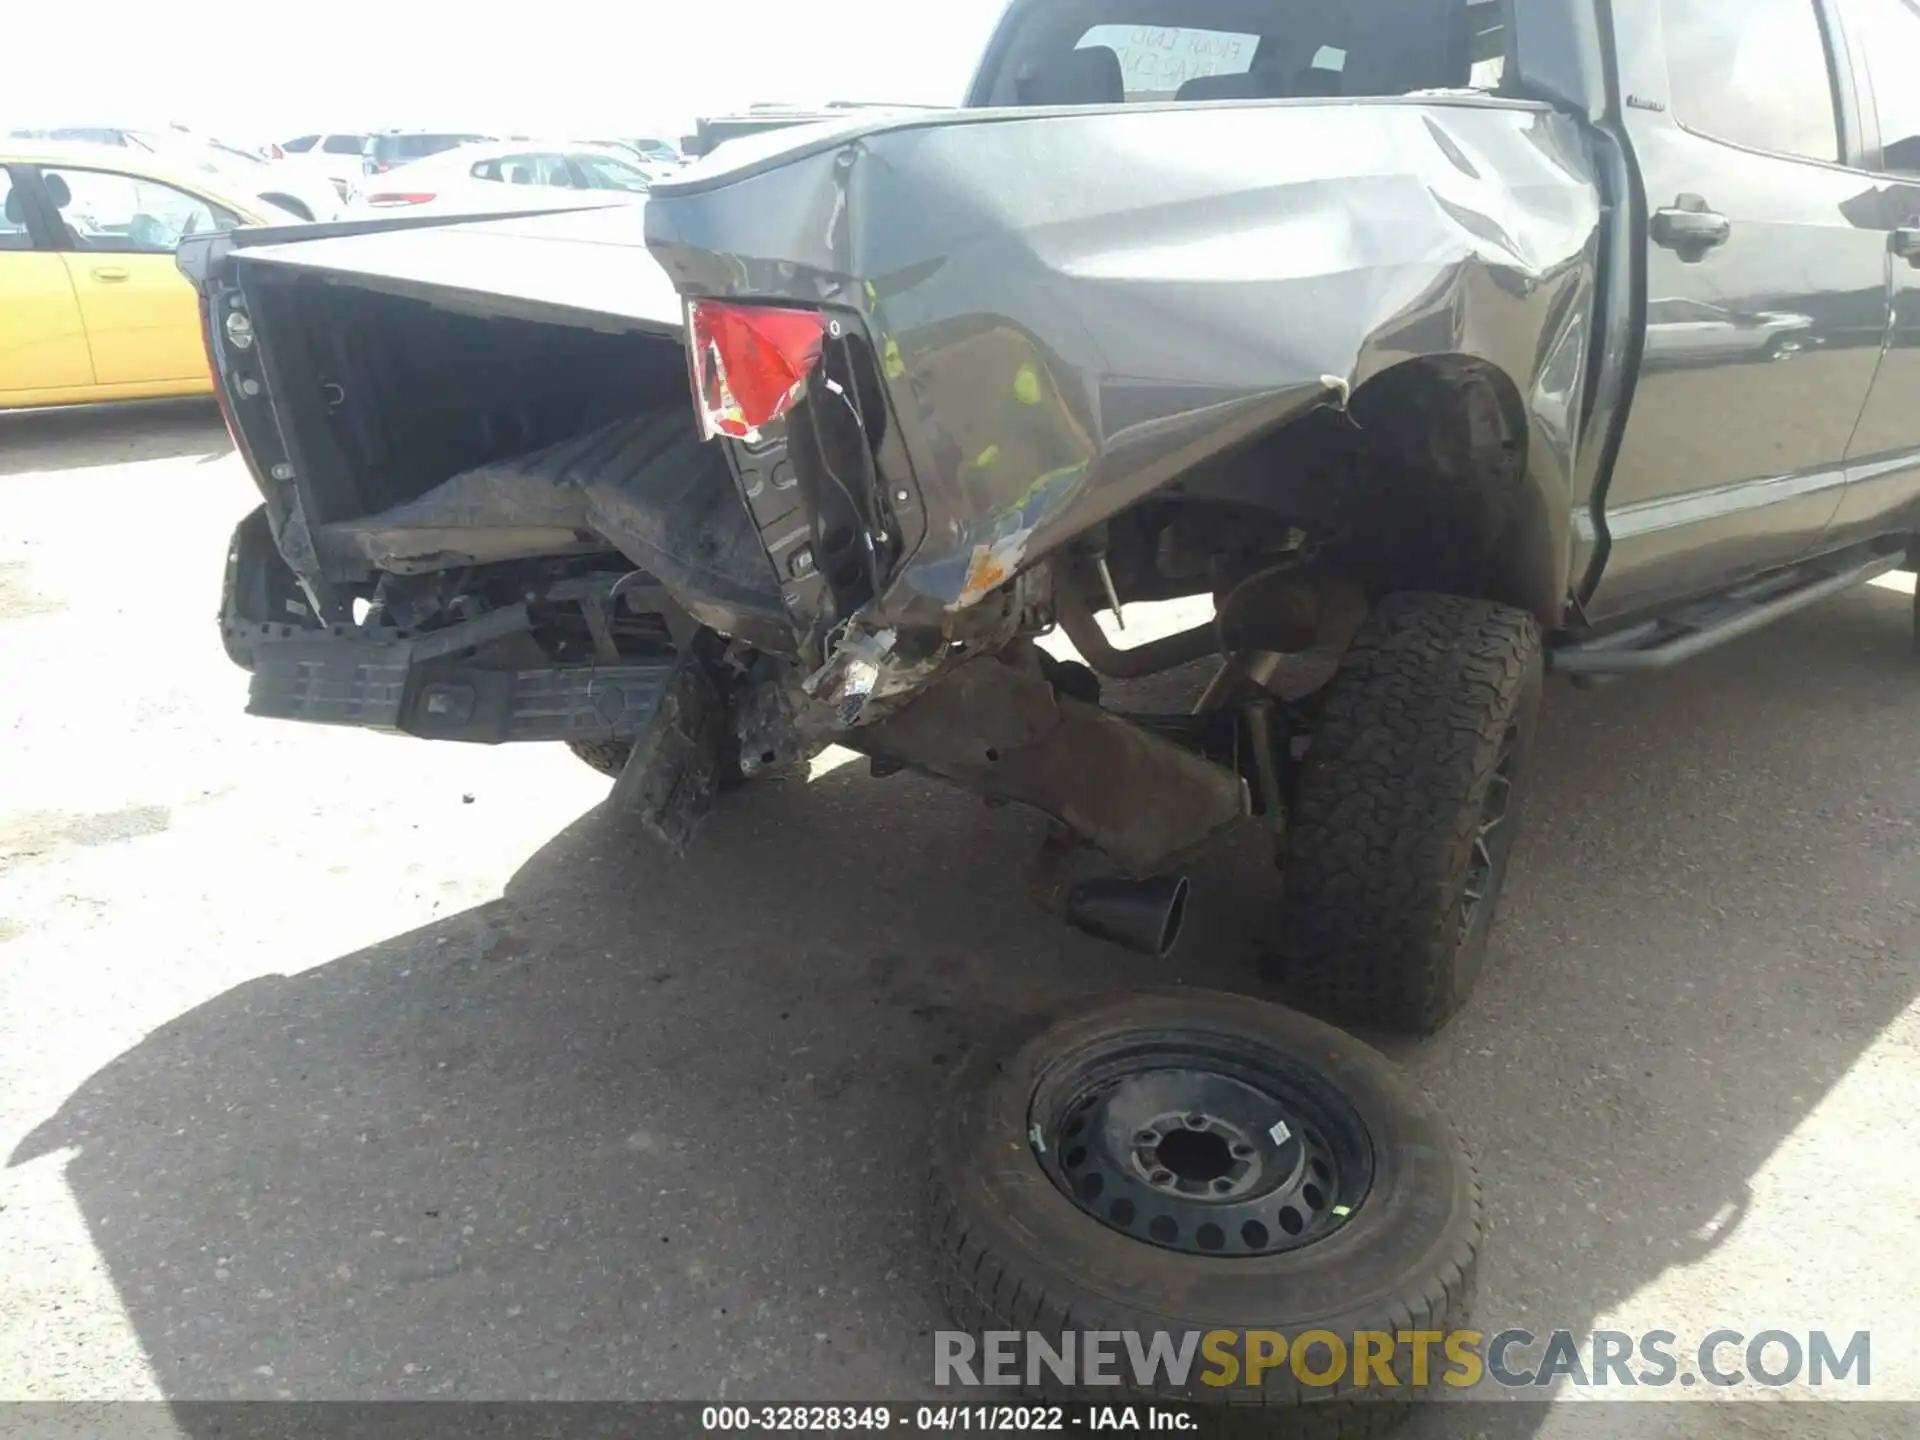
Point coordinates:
pixel 1423 482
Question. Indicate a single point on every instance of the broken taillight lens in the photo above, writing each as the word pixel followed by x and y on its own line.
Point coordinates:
pixel 750 363
pixel 386 199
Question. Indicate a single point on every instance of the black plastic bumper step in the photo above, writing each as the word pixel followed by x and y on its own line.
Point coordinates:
pixel 414 688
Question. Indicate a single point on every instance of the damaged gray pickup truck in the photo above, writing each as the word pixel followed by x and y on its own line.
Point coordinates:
pixel 1446 344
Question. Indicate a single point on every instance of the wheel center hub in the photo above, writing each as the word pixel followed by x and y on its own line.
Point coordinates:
pixel 1197 1155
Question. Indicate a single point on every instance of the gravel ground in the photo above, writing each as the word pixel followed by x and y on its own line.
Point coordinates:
pixel 343 1066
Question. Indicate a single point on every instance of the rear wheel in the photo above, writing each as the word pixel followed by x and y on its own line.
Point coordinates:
pixel 1405 810
pixel 1178 1162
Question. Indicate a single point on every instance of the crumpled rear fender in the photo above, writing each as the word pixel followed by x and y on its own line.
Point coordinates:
pixel 1074 308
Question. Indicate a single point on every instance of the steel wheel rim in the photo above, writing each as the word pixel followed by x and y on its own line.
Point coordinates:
pixel 1211 1150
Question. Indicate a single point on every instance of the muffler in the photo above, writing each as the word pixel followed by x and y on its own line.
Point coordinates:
pixel 1141 915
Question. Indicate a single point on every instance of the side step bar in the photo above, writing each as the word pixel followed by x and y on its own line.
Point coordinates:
pixel 1697 628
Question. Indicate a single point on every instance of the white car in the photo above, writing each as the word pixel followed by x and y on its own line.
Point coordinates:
pixel 656 157
pixel 519 175
pixel 334 156
pixel 303 196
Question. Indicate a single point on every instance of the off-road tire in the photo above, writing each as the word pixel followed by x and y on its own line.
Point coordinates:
pixel 1387 804
pixel 1013 1252
pixel 609 757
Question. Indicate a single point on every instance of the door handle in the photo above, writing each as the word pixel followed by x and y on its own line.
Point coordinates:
pixel 1689 228
pixel 110 273
pixel 1906 244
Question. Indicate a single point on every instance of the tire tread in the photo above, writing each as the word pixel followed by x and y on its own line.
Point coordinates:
pixel 1389 796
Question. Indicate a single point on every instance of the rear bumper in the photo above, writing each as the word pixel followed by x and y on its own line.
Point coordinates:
pixel 401 687
pixel 429 686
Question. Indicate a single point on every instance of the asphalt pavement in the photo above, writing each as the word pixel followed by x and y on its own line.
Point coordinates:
pixel 336 1065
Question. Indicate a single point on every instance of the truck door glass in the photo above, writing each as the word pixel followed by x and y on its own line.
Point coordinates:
pixel 1889 31
pixel 1754 73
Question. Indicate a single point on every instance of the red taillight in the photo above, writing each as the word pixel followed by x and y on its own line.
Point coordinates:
pixel 400 197
pixel 750 363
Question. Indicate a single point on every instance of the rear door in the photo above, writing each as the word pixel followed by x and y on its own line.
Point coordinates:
pixel 141 315
pixel 43 345
pixel 1734 457
pixel 1883 473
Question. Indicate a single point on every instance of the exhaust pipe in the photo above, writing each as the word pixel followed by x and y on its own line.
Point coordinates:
pixel 1141 915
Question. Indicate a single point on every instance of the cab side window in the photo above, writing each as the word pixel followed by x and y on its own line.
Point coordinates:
pixel 1754 73
pixel 1889 32
pixel 127 215
pixel 603 172
pixel 525 170
pixel 13 216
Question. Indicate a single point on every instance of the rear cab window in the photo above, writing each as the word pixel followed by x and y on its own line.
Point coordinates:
pixel 1156 60
pixel 1109 52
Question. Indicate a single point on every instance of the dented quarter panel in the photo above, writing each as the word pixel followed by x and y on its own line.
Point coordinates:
pixel 1074 307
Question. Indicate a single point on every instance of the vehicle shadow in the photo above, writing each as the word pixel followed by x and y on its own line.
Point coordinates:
pixel 652 1129
pixel 79 437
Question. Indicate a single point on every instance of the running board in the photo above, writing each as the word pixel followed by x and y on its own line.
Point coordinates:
pixel 1699 627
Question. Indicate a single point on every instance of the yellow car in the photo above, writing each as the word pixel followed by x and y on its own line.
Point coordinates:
pixel 91 306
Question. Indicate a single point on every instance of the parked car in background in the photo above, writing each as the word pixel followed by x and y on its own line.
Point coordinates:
pixel 305 196
pixel 388 149
pixel 482 178
pixel 95 307
pixel 336 155
pixel 658 154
